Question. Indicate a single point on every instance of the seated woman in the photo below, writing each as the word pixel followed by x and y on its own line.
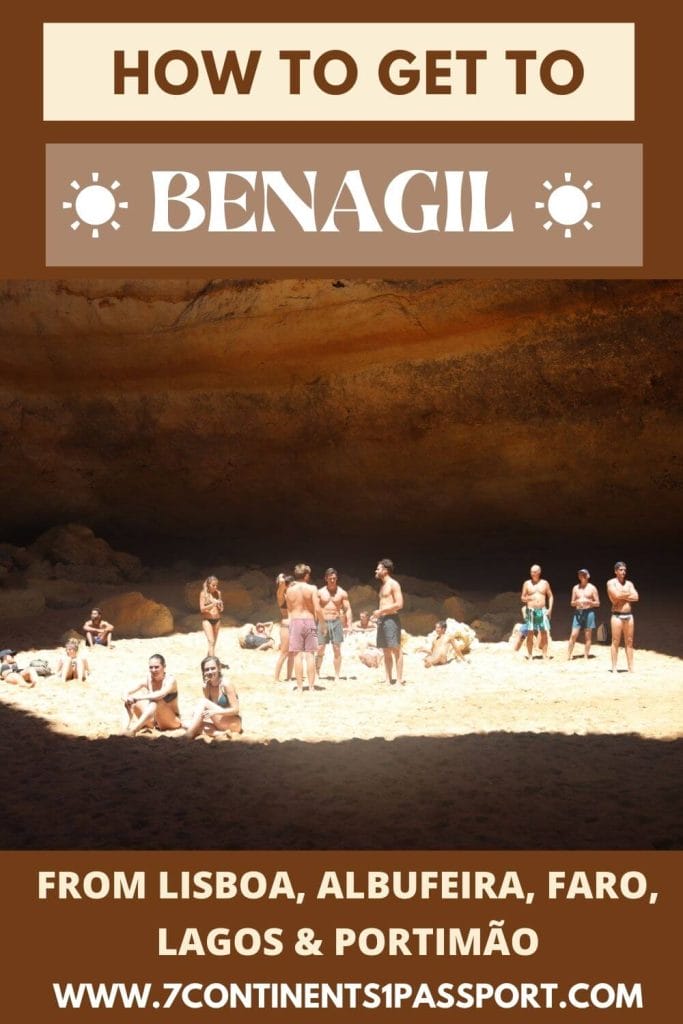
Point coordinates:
pixel 219 709
pixel 97 631
pixel 153 703
pixel 73 665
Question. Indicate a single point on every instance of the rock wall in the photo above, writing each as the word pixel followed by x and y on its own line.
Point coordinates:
pixel 267 412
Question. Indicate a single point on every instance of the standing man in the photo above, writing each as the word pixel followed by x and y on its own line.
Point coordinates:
pixel 388 622
pixel 585 599
pixel 622 594
pixel 303 611
pixel 538 600
pixel 336 619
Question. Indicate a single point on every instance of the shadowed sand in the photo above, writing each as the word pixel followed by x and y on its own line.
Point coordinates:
pixel 494 753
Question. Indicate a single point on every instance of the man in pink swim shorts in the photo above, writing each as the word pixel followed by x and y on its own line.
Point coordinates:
pixel 303 612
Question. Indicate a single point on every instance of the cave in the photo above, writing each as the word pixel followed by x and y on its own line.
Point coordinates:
pixel 459 427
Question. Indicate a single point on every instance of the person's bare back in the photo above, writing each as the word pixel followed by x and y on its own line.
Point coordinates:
pixel 302 600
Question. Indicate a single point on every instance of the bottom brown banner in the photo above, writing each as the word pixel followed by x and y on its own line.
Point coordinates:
pixel 291 936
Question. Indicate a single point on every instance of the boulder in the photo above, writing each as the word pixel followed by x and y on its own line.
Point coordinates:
pixel 504 621
pixel 237 601
pixel 21 604
pixel 62 593
pixel 424 588
pixel 71 634
pixel 417 623
pixel 363 599
pixel 257 583
pixel 129 565
pixel 509 601
pixel 458 608
pixel 14 557
pixel 428 605
pixel 134 615
pixel 192 591
pixel 488 632
pixel 77 554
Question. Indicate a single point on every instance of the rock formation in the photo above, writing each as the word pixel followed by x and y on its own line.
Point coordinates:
pixel 262 417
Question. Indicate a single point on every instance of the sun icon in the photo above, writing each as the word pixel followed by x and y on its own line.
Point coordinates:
pixel 95 205
pixel 568 205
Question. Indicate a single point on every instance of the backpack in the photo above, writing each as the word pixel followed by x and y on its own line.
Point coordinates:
pixel 40 666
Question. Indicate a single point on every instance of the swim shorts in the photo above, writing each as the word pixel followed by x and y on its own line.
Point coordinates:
pixel 537 618
pixel 303 636
pixel 252 641
pixel 388 631
pixel 330 631
pixel 584 618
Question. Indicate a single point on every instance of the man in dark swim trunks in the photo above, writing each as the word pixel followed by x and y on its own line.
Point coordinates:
pixel 388 622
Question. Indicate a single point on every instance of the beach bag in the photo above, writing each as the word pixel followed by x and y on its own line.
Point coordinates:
pixel 601 633
pixel 40 667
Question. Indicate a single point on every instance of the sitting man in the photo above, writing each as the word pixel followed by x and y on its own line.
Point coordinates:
pixel 11 673
pixel 97 631
pixel 442 647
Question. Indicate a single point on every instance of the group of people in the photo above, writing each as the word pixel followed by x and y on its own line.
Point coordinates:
pixel 72 665
pixel 538 600
pixel 315 618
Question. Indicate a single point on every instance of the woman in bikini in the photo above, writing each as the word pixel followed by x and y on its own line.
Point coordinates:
pixel 282 583
pixel 73 665
pixel 154 703
pixel 219 708
pixel 211 608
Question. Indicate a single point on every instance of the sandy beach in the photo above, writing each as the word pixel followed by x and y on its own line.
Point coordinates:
pixel 496 752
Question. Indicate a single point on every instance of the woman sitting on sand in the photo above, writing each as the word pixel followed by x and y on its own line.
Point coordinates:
pixel 73 665
pixel 153 703
pixel 219 708
pixel 211 608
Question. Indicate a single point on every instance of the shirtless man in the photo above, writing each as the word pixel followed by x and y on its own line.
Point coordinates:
pixel 303 611
pixel 585 599
pixel 622 594
pixel 363 624
pixel 388 622
pixel 97 631
pixel 538 599
pixel 438 653
pixel 336 620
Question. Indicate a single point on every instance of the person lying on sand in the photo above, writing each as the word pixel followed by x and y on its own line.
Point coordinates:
pixel 73 665
pixel 97 631
pixel 153 703
pixel 259 637
pixel 12 674
pixel 219 709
